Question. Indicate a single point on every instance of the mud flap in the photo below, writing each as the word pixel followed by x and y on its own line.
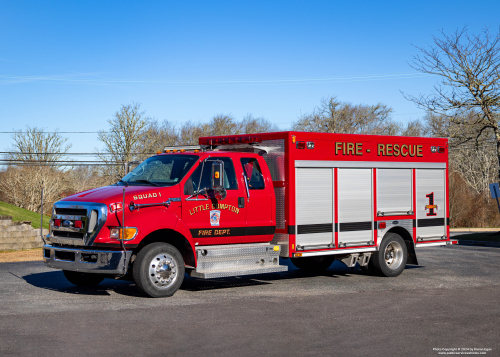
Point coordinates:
pixel 412 255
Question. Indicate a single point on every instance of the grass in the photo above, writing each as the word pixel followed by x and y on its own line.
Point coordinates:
pixel 480 236
pixel 21 214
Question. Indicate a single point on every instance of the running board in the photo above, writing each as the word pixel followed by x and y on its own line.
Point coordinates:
pixel 222 261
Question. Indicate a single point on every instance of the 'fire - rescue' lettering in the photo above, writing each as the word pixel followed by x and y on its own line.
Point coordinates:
pixel 349 148
pixel 399 150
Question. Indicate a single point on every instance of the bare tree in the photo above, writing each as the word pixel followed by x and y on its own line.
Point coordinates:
pixel 333 116
pixel 38 152
pixel 251 125
pixel 156 136
pixel 82 178
pixel 469 82
pixel 476 165
pixel 189 133
pixel 122 140
pixel 35 145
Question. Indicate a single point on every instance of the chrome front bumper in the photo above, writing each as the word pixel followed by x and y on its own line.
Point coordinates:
pixel 86 261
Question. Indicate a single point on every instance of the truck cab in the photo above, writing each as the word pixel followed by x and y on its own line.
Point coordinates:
pixel 169 202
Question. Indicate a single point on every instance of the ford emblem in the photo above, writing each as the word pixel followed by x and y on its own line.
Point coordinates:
pixel 67 223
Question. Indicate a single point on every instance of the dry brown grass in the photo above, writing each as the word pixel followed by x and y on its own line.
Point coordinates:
pixel 21 255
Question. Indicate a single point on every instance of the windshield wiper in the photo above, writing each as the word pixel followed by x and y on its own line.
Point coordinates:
pixel 146 181
pixel 126 183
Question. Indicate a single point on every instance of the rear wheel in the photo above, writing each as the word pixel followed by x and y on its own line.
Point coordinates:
pixel 391 258
pixel 83 279
pixel 314 264
pixel 158 270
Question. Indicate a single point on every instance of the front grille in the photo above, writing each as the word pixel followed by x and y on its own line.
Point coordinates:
pixel 63 234
pixel 92 216
pixel 71 211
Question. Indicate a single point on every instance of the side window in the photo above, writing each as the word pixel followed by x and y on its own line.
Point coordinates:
pixel 194 184
pixel 253 174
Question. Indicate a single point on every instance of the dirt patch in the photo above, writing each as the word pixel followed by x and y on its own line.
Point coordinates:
pixel 21 256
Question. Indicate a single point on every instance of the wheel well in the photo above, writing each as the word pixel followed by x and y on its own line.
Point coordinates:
pixel 172 237
pixel 412 256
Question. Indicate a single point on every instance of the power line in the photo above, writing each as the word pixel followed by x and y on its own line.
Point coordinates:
pixel 76 153
pixel 52 165
pixel 55 132
pixel 58 161
pixel 236 81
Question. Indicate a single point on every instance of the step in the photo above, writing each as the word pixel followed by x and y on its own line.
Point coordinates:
pixel 214 252
pixel 229 273
pixel 237 259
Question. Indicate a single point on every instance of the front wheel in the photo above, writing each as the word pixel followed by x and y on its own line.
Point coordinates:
pixel 83 279
pixel 391 258
pixel 158 270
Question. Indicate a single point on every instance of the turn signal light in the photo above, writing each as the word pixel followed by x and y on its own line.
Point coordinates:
pixel 118 233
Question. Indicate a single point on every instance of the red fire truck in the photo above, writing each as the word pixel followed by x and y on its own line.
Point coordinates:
pixel 234 205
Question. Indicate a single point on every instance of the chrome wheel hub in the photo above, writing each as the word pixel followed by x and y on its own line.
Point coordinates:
pixel 393 255
pixel 163 271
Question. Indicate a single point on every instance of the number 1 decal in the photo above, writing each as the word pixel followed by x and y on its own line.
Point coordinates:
pixel 431 206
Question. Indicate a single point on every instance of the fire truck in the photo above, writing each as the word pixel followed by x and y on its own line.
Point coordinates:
pixel 235 205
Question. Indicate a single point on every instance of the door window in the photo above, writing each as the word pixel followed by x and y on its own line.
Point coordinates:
pixel 253 174
pixel 194 183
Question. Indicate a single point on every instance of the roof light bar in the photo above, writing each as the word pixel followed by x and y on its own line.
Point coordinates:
pixel 243 139
pixel 185 148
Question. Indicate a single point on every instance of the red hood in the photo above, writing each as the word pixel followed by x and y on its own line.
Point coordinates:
pixel 112 194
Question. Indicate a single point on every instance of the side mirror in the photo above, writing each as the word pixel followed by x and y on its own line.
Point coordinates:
pixel 218 175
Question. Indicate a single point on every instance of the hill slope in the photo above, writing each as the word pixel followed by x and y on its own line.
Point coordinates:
pixel 21 214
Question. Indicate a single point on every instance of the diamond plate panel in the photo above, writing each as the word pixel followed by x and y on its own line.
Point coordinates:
pixel 282 240
pixel 275 158
pixel 236 257
pixel 279 192
pixel 405 223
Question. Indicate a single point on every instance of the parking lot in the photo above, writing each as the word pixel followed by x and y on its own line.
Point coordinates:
pixel 449 301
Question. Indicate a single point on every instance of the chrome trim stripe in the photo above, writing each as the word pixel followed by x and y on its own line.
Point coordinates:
pixel 371 164
pixel 339 251
pixel 436 244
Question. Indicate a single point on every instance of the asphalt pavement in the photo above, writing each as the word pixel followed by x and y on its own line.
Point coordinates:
pixel 449 301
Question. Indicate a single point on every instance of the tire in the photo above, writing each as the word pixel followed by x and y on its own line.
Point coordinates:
pixel 390 259
pixel 314 264
pixel 83 279
pixel 154 279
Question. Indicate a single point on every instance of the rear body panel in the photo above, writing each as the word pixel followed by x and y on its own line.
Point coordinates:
pixel 331 198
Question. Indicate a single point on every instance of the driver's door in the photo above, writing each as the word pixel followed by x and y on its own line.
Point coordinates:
pixel 212 220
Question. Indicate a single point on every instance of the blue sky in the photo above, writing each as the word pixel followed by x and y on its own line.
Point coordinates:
pixel 71 64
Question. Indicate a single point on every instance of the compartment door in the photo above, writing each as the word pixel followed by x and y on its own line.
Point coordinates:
pixel 431 208
pixel 314 207
pixel 394 192
pixel 355 207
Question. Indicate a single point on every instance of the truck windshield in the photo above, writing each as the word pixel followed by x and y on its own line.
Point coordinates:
pixel 161 170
